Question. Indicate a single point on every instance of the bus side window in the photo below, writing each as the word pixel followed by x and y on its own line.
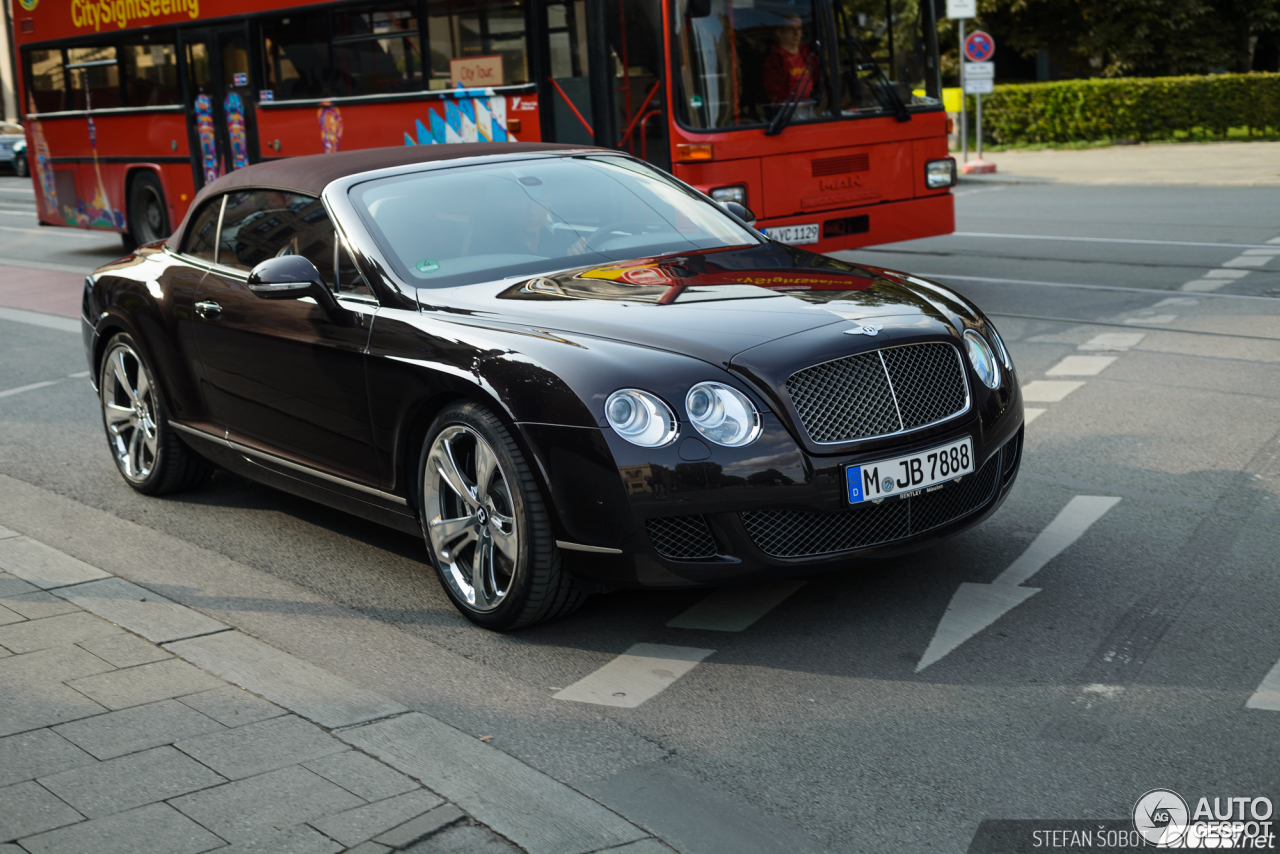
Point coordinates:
pixel 45 77
pixel 150 74
pixel 100 84
pixel 202 235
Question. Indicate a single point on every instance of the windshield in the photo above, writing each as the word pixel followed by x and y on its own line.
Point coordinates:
pixel 835 59
pixel 479 223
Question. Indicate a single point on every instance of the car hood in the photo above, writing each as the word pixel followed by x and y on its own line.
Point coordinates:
pixel 711 305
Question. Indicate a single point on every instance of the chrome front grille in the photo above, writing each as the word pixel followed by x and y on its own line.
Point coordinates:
pixel 797 533
pixel 880 392
pixel 682 537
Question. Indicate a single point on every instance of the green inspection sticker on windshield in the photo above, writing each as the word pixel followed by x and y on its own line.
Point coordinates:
pixel 428 266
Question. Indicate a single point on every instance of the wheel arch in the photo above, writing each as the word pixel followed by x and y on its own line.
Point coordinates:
pixel 415 426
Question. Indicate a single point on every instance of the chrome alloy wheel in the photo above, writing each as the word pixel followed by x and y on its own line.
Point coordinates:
pixel 129 413
pixel 470 517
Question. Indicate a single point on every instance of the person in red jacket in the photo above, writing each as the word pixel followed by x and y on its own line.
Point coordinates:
pixel 785 65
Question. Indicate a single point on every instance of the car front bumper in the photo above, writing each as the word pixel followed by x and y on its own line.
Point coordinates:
pixel 772 510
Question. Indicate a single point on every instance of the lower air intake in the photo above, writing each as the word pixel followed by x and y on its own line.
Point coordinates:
pixel 682 537
pixel 797 533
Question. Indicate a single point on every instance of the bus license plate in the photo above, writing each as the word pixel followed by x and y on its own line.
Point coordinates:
pixel 907 475
pixel 796 235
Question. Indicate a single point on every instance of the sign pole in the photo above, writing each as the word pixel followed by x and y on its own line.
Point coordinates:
pixel 979 97
pixel 964 101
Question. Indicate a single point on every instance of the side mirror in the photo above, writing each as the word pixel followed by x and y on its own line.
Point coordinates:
pixel 741 211
pixel 292 277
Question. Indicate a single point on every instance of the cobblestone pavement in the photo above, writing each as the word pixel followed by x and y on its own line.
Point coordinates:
pixel 112 740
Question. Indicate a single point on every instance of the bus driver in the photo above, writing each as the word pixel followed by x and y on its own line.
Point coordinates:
pixel 786 63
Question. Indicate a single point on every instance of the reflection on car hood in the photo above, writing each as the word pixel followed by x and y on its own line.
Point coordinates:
pixel 711 304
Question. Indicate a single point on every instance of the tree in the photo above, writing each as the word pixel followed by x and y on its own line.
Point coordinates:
pixel 1148 38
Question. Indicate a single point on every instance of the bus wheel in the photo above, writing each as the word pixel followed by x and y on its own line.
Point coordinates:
pixel 20 165
pixel 148 219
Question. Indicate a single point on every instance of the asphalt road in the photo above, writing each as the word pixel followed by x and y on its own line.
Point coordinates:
pixel 816 727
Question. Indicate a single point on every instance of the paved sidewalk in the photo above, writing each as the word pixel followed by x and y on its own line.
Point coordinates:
pixel 1208 163
pixel 132 724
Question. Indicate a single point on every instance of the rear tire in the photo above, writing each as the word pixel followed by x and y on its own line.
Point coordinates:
pixel 146 450
pixel 20 167
pixel 486 526
pixel 148 212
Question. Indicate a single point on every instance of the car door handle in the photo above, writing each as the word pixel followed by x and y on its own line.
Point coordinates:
pixel 209 310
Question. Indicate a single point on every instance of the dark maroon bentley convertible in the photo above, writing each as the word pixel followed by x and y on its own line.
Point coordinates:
pixel 567 370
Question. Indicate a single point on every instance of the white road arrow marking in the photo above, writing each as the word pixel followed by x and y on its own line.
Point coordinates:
pixel 976 606
pixel 1268 694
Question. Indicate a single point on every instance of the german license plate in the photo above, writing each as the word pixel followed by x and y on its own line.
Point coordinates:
pixel 901 476
pixel 796 235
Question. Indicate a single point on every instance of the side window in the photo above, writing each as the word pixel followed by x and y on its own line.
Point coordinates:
pixel 295 51
pixel 262 224
pixel 95 77
pixel 45 77
pixel 150 74
pixel 202 234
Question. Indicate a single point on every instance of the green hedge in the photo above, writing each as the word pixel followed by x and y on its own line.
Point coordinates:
pixel 1130 108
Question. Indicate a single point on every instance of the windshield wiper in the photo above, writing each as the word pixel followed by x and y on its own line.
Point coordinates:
pixel 886 86
pixel 783 117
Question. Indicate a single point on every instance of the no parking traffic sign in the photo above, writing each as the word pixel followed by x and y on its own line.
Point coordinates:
pixel 979 47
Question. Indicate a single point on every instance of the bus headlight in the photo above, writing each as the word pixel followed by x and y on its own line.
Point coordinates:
pixel 940 173
pixel 736 193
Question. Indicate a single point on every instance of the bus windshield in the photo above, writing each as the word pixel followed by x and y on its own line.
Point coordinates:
pixel 744 62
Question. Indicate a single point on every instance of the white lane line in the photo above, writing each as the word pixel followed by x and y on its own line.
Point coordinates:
pixel 1222 273
pixel 1268 694
pixel 1110 240
pixel 63 232
pixel 733 609
pixel 1152 318
pixel 1203 286
pixel 1248 261
pixel 1029 415
pixel 640 673
pixel 32 387
pixel 1113 341
pixel 28 214
pixel 1176 301
pixel 1268 252
pixel 78 375
pixel 1048 391
pixel 39 318
pixel 44 265
pixel 1081 366
pixel 976 606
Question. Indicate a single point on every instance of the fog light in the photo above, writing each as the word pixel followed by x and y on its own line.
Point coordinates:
pixel 736 193
pixel 940 173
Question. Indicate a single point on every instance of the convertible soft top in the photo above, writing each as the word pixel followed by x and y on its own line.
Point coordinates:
pixel 309 175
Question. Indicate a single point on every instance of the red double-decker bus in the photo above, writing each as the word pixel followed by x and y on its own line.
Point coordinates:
pixel 822 116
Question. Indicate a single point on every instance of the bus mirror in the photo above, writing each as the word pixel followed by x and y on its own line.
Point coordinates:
pixel 699 8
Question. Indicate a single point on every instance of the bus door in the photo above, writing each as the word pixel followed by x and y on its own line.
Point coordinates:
pixel 603 76
pixel 220 113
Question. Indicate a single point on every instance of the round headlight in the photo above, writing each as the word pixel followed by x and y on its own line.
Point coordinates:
pixel 722 414
pixel 1005 358
pixel 982 359
pixel 640 417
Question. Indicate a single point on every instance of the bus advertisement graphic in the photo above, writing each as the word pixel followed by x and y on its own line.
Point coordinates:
pixel 233 107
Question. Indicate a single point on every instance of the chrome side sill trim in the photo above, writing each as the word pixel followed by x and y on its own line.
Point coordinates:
pixel 251 453
pixel 579 547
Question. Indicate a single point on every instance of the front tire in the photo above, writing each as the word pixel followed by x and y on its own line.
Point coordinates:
pixel 486 525
pixel 144 446
pixel 20 166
